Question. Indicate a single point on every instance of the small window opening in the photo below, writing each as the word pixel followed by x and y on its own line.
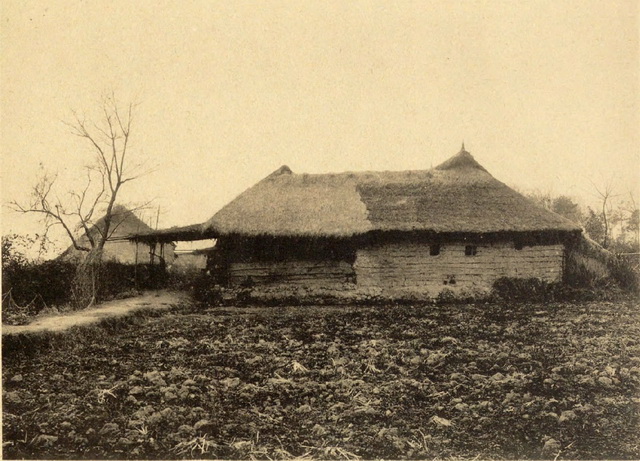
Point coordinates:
pixel 434 250
pixel 470 250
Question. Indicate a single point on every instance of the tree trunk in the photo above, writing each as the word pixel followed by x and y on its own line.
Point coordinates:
pixel 605 243
pixel 87 281
pixel 87 284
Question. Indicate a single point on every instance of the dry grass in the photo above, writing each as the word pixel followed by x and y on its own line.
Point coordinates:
pixel 458 196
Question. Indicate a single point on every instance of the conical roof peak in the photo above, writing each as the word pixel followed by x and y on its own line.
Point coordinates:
pixel 462 160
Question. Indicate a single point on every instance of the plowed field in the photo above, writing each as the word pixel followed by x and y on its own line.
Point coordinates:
pixel 525 381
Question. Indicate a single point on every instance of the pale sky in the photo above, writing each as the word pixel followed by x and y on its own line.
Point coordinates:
pixel 545 94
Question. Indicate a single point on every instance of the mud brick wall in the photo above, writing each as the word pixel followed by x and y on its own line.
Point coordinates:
pixel 408 268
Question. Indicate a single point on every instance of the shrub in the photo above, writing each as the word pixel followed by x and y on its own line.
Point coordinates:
pixel 514 290
pixel 116 278
pixel 183 279
pixel 48 282
pixel 625 274
pixel 30 287
pixel 589 266
pixel 446 296
pixel 522 290
pixel 206 291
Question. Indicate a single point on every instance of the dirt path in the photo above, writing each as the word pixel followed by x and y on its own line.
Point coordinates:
pixel 117 308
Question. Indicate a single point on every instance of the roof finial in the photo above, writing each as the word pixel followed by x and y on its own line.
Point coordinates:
pixel 463 146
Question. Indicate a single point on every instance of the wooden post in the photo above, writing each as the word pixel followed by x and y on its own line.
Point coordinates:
pixel 163 266
pixel 151 272
pixel 135 269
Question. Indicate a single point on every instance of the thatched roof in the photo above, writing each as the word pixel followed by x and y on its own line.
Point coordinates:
pixel 124 223
pixel 457 196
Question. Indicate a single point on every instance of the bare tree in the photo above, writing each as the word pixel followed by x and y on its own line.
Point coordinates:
pixel 109 170
pixel 605 195
pixel 633 220
pixel 540 197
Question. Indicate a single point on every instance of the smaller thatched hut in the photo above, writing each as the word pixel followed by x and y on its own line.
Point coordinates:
pixel 118 247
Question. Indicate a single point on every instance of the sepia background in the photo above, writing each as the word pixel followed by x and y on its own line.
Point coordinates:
pixel 543 93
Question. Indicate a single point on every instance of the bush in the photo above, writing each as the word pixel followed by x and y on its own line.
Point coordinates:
pixel 206 291
pixel 30 287
pixel 116 278
pixel 625 274
pixel 589 266
pixel 524 290
pixel 514 290
pixel 184 279
pixel 446 296
pixel 48 282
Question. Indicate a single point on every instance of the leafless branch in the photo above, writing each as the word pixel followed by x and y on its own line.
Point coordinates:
pixel 50 214
pixel 605 195
pixel 130 211
pixel 109 138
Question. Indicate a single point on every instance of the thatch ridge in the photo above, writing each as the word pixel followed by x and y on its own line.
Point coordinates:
pixel 457 196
